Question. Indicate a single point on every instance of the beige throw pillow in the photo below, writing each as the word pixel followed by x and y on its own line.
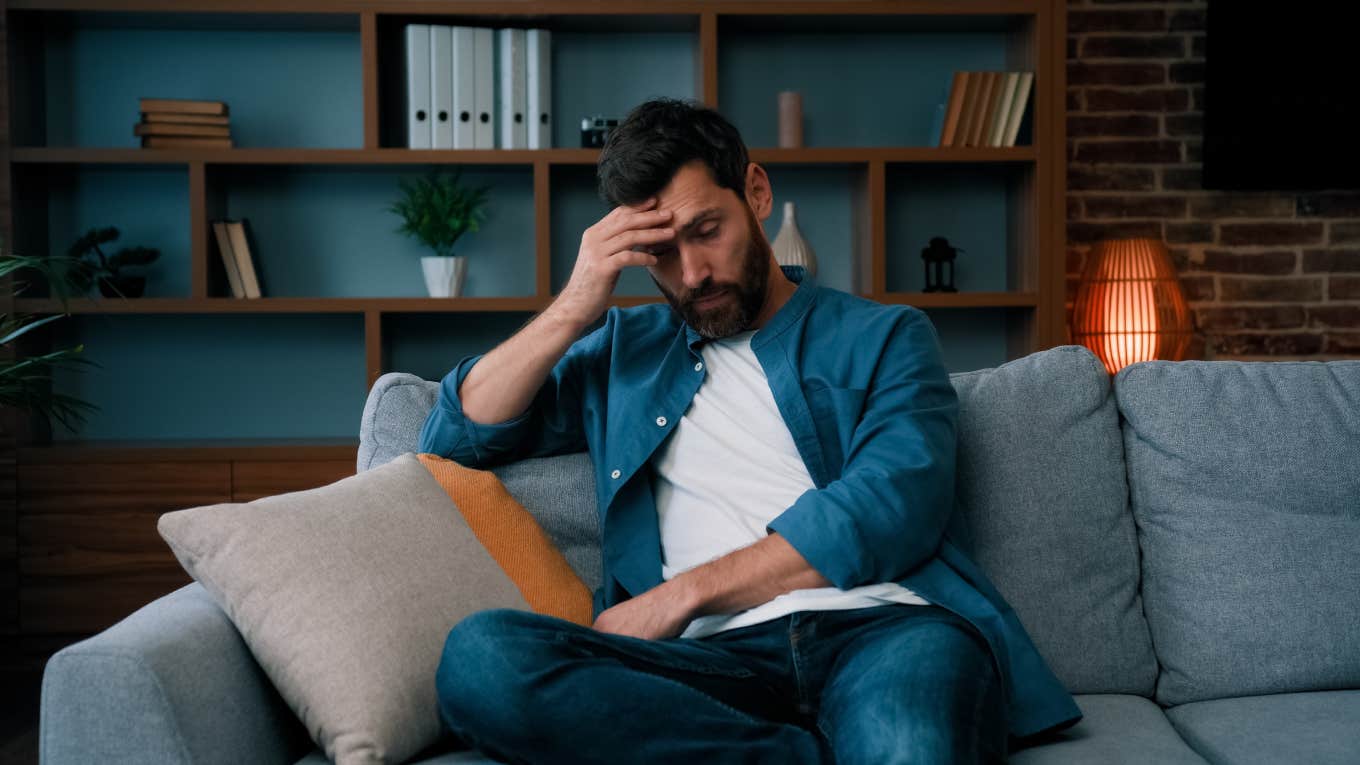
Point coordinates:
pixel 345 594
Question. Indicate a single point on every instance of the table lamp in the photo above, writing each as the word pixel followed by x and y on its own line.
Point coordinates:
pixel 1130 306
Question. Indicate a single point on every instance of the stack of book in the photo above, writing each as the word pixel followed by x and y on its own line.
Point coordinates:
pixel 986 108
pixel 172 123
pixel 234 248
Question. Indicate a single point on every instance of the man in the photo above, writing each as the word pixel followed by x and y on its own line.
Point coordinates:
pixel 775 472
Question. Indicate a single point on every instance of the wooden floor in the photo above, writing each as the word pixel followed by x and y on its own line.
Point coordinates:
pixel 21 665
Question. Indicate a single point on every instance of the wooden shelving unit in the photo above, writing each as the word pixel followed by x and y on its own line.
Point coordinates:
pixel 1031 32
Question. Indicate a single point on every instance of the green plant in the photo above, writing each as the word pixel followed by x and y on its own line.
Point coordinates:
pixel 438 209
pixel 26 383
pixel 84 271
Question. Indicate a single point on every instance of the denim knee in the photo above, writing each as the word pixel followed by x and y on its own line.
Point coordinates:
pixel 479 672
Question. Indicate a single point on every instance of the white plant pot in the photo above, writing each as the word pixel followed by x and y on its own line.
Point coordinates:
pixel 444 274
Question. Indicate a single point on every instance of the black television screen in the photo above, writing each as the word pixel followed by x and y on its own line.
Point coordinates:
pixel 1281 110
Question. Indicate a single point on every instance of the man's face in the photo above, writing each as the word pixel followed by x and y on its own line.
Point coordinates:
pixel 716 270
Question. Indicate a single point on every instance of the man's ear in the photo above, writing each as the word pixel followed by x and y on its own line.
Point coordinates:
pixel 759 195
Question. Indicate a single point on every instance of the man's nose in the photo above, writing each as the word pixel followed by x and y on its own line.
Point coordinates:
pixel 694 265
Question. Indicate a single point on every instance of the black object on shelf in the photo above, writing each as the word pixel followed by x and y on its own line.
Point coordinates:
pixel 938 254
pixel 595 131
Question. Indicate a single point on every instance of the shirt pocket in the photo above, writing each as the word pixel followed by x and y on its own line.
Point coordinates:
pixel 835 413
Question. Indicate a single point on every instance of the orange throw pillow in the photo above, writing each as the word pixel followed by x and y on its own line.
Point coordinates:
pixel 515 540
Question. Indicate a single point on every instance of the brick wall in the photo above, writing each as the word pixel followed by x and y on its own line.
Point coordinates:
pixel 1268 274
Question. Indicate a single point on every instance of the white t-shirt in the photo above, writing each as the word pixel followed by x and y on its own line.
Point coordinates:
pixel 729 467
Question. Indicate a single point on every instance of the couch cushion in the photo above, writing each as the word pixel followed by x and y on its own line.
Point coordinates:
pixel 1319 728
pixel 1114 729
pixel 1245 486
pixel 345 594
pixel 516 541
pixel 1041 491
pixel 559 491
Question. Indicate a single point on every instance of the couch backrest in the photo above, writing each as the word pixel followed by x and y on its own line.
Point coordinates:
pixel 558 491
pixel 1042 505
pixel 1041 486
pixel 1245 485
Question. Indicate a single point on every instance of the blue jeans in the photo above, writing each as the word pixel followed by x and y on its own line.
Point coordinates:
pixel 885 684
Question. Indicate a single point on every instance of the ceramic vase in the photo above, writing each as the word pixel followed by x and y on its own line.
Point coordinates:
pixel 444 274
pixel 790 248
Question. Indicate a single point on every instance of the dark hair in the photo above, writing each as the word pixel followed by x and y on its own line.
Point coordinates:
pixel 660 136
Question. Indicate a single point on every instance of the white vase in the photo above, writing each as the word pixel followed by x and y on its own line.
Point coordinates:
pixel 790 248
pixel 444 274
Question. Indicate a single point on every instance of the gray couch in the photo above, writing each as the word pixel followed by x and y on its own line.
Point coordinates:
pixel 1183 544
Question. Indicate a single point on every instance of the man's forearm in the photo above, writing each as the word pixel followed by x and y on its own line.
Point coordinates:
pixel 502 384
pixel 747 577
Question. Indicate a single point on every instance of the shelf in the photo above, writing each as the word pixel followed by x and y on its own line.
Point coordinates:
pixel 190 450
pixel 281 305
pixel 960 299
pixel 550 7
pixel 562 156
pixel 448 305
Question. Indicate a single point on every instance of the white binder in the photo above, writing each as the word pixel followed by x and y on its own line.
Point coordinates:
pixel 538 84
pixel 441 86
pixel 418 132
pixel 514 130
pixel 484 87
pixel 464 95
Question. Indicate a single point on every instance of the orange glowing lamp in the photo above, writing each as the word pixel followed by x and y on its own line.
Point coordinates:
pixel 1130 306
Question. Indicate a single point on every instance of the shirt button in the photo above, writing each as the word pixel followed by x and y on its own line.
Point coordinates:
pixel 661 422
pixel 699 366
pixel 615 474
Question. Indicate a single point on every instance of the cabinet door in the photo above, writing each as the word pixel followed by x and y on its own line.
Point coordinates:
pixel 89 552
pixel 252 480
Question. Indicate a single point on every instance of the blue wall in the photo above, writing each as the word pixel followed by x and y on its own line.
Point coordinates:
pixel 326 232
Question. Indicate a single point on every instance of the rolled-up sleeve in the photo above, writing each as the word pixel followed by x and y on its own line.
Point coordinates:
pixel 552 423
pixel 887 512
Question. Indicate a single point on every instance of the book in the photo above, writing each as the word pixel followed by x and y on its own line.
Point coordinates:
pixel 245 260
pixel 538 85
pixel 980 109
pixel 183 119
pixel 951 117
pixel 1017 114
pixel 464 88
pixel 484 87
pixel 419 133
pixel 184 142
pixel 997 135
pixel 511 93
pixel 973 87
pixel 228 258
pixel 162 128
pixel 184 106
pixel 984 136
pixel 441 86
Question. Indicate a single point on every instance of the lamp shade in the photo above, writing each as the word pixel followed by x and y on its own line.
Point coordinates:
pixel 1130 306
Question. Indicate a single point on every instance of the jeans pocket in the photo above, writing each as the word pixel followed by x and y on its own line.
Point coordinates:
pixel 676 654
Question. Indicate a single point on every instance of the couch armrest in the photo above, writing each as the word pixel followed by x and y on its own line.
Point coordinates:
pixel 174 683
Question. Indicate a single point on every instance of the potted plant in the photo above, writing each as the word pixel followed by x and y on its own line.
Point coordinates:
pixel 25 383
pixel 437 210
pixel 108 270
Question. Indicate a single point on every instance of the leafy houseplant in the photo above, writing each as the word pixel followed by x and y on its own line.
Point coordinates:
pixel 25 383
pixel 437 210
pixel 108 270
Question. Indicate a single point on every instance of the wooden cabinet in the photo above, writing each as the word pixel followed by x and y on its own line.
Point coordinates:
pixel 88 550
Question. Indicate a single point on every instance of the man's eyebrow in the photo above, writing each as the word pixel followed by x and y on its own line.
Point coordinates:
pixel 699 218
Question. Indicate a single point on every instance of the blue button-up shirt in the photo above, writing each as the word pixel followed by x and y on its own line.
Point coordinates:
pixel 868 401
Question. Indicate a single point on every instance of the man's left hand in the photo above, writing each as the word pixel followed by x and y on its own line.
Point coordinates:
pixel 658 613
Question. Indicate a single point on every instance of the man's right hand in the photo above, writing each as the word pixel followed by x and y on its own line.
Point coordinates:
pixel 606 249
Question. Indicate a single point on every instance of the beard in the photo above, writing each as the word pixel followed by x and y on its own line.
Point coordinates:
pixel 743 299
